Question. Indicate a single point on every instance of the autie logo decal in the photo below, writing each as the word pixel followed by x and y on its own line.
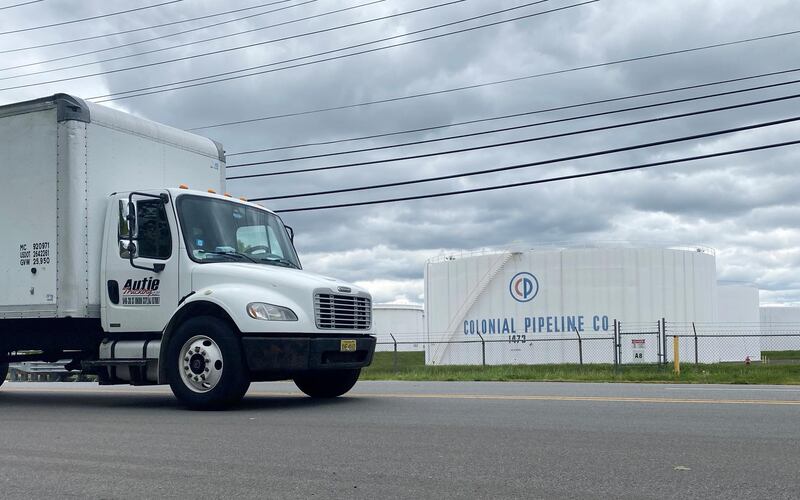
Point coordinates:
pixel 142 292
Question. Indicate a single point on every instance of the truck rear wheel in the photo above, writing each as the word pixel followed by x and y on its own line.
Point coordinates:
pixel 205 367
pixel 327 383
pixel 3 372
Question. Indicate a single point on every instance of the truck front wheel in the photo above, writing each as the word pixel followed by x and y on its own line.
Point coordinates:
pixel 3 372
pixel 327 383
pixel 205 366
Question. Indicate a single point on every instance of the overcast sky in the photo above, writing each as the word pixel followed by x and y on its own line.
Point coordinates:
pixel 745 206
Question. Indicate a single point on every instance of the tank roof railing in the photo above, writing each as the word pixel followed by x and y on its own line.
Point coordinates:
pixel 519 247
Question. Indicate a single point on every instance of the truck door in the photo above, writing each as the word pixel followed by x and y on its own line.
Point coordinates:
pixel 142 293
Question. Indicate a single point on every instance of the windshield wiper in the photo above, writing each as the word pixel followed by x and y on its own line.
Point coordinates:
pixel 234 255
pixel 281 260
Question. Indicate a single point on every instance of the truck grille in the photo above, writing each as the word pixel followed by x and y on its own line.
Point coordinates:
pixel 342 312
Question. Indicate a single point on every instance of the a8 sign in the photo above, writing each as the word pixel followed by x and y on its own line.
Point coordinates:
pixel 638 347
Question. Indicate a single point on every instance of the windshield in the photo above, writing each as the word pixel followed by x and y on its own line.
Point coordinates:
pixel 222 231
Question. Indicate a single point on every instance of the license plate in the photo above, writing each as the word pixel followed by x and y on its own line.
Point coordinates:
pixel 347 346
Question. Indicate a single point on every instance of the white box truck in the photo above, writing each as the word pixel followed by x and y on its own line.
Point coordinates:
pixel 108 260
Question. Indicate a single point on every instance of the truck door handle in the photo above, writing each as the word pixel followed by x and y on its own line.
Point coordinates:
pixel 113 291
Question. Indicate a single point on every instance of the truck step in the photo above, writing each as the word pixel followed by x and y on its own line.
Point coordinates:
pixel 112 362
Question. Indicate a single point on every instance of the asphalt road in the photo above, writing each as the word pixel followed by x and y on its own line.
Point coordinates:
pixel 404 440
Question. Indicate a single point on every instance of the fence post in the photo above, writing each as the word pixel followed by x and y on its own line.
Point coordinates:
pixel 659 354
pixel 696 357
pixel 676 355
pixel 664 337
pixel 616 335
pixel 580 346
pixel 483 349
pixel 395 351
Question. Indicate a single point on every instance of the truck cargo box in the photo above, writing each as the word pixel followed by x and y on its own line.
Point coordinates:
pixel 61 158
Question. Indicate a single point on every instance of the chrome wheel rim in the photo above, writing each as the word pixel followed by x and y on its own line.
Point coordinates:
pixel 200 364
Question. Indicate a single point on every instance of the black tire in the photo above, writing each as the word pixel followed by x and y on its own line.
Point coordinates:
pixel 234 379
pixel 3 372
pixel 327 383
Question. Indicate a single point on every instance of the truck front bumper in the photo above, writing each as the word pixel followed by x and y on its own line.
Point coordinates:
pixel 298 354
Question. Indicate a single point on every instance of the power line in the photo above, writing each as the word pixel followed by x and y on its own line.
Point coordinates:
pixel 222 51
pixel 145 28
pixel 188 44
pixel 550 161
pixel 504 117
pixel 110 14
pixel 519 127
pixel 126 56
pixel 519 141
pixel 111 97
pixel 546 180
pixel 120 95
pixel 497 82
pixel 20 4
pixel 513 115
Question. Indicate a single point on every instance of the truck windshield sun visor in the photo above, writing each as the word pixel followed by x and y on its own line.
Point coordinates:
pixel 218 230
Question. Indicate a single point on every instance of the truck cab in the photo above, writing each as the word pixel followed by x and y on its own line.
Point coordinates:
pixel 210 280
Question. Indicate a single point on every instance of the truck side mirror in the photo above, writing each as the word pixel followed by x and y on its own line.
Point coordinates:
pixel 127 248
pixel 290 232
pixel 126 229
pixel 130 216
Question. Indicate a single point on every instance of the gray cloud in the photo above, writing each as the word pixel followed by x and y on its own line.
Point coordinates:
pixel 744 206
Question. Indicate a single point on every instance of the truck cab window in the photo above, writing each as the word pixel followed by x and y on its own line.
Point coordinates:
pixel 258 240
pixel 154 237
pixel 251 239
pixel 274 243
pixel 218 230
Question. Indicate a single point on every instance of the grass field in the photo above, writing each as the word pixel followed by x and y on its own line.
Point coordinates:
pixel 780 355
pixel 411 366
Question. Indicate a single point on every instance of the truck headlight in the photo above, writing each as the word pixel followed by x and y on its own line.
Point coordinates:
pixel 270 312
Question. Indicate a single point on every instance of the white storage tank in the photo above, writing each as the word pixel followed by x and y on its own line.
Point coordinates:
pixel 522 298
pixel 406 322
pixel 780 327
pixel 737 326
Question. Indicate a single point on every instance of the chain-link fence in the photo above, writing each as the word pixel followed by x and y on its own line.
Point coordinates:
pixel 733 342
pixel 504 349
pixel 639 343
pixel 625 343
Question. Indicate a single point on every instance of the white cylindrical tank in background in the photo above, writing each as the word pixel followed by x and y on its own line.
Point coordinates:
pixel 780 322
pixel 406 322
pixel 521 298
pixel 737 325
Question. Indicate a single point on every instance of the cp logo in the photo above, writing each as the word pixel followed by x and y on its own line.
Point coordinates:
pixel 523 287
